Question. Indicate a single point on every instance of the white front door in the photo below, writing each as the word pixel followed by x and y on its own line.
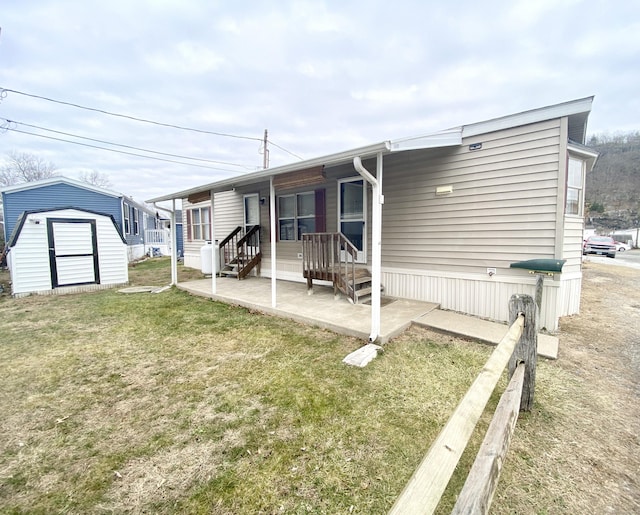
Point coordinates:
pixel 352 209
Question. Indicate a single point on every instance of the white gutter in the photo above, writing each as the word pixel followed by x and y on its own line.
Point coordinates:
pixel 376 240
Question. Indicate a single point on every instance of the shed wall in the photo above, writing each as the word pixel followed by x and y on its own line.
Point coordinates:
pixel 29 257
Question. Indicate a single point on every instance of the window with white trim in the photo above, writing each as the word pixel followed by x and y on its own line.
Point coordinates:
pixel 575 182
pixel 200 223
pixel 296 215
pixel 127 213
pixel 136 216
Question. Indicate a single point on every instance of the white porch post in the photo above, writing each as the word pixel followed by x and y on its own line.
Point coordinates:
pixel 174 245
pixel 214 254
pixel 272 225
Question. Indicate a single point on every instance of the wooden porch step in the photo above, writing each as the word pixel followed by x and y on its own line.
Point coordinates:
pixel 363 292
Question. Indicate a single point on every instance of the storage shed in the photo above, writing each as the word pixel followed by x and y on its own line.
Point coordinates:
pixel 64 251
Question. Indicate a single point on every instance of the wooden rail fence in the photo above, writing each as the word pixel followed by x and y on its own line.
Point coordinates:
pixel 518 351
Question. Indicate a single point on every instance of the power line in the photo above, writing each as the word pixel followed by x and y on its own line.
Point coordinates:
pixel 3 92
pixel 287 151
pixel 126 146
pixel 119 151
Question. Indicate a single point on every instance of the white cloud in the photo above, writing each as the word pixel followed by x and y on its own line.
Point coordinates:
pixel 322 76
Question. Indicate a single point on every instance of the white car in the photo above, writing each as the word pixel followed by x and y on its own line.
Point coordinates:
pixel 621 247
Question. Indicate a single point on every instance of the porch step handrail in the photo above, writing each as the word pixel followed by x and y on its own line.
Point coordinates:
pixel 240 250
pixel 322 260
pixel 249 254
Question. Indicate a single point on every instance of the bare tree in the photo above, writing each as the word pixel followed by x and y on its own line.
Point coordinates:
pixel 95 178
pixel 23 167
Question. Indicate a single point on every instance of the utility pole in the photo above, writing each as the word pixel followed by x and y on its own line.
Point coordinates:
pixel 265 156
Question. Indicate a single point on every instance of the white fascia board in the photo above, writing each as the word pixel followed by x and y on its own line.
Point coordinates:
pixel 590 155
pixel 263 175
pixel 447 138
pixel 582 151
pixel 582 105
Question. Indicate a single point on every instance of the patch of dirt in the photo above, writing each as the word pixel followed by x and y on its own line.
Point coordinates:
pixel 590 462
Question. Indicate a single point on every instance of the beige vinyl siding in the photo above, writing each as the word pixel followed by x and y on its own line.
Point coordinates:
pixel 572 244
pixel 502 208
pixel 228 215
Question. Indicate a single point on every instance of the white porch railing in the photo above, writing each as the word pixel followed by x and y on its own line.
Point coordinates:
pixel 157 241
pixel 157 237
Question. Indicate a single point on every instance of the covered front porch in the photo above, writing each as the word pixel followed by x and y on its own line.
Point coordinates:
pixel 322 309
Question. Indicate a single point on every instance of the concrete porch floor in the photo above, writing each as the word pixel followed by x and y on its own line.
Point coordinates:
pixel 337 314
pixel 320 309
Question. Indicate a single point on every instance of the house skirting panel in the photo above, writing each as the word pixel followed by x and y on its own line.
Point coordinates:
pixel 484 296
pixel 135 252
pixel 192 260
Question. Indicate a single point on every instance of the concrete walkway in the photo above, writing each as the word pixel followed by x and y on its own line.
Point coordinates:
pixel 482 330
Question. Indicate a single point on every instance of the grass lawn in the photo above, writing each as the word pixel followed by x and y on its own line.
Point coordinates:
pixel 169 403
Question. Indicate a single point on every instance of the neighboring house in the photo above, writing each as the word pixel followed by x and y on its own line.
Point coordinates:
pixel 65 250
pixel 135 221
pixel 438 218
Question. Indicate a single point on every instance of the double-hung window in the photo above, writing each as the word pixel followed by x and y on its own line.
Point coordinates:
pixel 575 182
pixel 136 215
pixel 126 211
pixel 200 223
pixel 297 215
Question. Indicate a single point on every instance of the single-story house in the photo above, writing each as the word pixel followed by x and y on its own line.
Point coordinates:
pixel 65 250
pixel 136 222
pixel 439 217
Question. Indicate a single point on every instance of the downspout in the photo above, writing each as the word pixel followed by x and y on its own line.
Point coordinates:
pixel 376 240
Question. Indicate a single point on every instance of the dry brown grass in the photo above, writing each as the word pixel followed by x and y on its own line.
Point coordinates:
pixel 173 404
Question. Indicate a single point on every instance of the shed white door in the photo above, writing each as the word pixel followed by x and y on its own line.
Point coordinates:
pixel 73 251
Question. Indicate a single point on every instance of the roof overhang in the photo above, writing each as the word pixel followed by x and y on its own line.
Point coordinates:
pixel 589 155
pixel 576 110
pixel 448 138
pixel 264 175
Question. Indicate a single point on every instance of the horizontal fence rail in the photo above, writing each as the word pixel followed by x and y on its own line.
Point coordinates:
pixel 424 490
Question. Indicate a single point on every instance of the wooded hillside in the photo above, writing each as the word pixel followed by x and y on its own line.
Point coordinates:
pixel 613 186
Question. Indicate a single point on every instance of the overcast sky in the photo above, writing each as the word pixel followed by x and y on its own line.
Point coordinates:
pixel 321 76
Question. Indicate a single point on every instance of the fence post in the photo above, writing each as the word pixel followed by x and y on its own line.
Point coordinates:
pixel 527 348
